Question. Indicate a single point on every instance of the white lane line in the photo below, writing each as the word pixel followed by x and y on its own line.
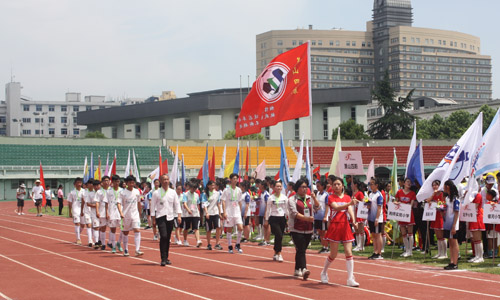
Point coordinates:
pixel 5 296
pixel 97 266
pixel 178 268
pixel 56 278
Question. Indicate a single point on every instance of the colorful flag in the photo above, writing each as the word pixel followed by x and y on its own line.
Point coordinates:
pixel 457 163
pixel 415 167
pixel 229 168
pixel 394 175
pixel 334 166
pixel 260 171
pixel 284 171
pixel 236 167
pixel 316 173
pixel 371 171
pixel 97 173
pixel 413 145
pixel 160 167
pixel 42 183
pixel 91 171
pixel 212 166
pixel 113 167
pixel 277 176
pixel 281 92
pixel 223 164
pixel 127 168
pixel 86 175
pixel 205 168
pixel 165 165
pixel 308 165
pixel 174 175
pixel 298 164
pixel 136 172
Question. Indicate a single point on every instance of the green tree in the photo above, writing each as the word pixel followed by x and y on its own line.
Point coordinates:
pixel 231 135
pixel 396 122
pixel 457 123
pixel 95 135
pixel 350 130
pixel 431 129
pixel 488 115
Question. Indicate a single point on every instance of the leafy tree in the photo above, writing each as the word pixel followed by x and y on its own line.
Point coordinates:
pixel 350 130
pixel 397 122
pixel 431 129
pixel 95 135
pixel 457 123
pixel 231 135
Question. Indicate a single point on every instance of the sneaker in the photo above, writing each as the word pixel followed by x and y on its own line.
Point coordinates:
pixel 186 243
pixel 209 247
pixel 125 253
pixel 479 260
pixel 451 267
pixel 264 243
pixel 378 257
pixel 147 227
pixel 179 243
pixel 280 258
pixel 404 254
pixel 271 242
pixel 110 245
pixel 372 256
pixel 305 273
pixel 18 214
pixel 324 278
pixel 119 247
pixel 351 282
pixel 435 256
pixel 498 265
pixel 275 257
pixel 218 247
pixel 96 246
pixel 22 214
pixel 198 244
pixel 155 237
pixel 113 250
pixel 244 240
pixel 356 249
pixel 139 253
pixel 473 259
pixel 324 250
pixel 259 238
pixel 238 248
pixel 230 250
pixel 78 242
pixel 290 242
pixel 298 273
pixel 443 257
pixel 103 247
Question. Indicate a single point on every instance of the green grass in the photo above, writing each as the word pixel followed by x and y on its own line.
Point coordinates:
pixel 65 212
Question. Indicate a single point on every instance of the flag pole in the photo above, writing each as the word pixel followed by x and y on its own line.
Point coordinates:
pixel 310 98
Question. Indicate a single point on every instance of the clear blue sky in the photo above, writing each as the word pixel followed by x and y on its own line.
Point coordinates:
pixel 139 48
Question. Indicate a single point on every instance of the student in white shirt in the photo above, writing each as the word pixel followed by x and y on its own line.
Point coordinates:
pixel 85 214
pixel 231 208
pixel 94 216
pixel 246 200
pixel 178 224
pixel 190 201
pixel 20 194
pixel 131 201
pixel 165 207
pixel 212 210
pixel 37 196
pixel 276 212
pixel 101 202
pixel 114 212
pixel 75 199
pixel 48 198
pixel 156 184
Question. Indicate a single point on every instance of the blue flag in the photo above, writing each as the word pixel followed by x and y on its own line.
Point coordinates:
pixel 183 173
pixel 236 168
pixel 91 174
pixel 284 171
pixel 205 168
pixel 415 169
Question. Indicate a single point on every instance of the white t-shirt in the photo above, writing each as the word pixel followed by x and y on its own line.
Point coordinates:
pixel 232 199
pixel 129 201
pixel 276 207
pixel 37 192
pixel 101 198
pixel 21 192
pixel 89 198
pixel 113 201
pixel 211 202
pixel 192 200
pixel 75 198
pixel 48 195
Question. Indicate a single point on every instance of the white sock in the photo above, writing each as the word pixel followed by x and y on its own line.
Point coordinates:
pixel 125 242
pixel 112 239
pixel 96 235
pixel 358 241
pixel 102 237
pixel 238 237
pixel 439 248
pixel 229 238
pixel 259 231
pixel 120 238
pixel 77 231
pixel 480 249
pixel 445 247
pixel 410 241
pixel 349 263
pixel 81 229
pixel 384 241
pixel 137 241
pixel 362 239
pixel 328 261
pixel 89 235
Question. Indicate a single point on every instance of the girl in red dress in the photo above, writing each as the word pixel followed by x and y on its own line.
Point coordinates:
pixel 437 225
pixel 339 230
pixel 407 196
pixel 476 229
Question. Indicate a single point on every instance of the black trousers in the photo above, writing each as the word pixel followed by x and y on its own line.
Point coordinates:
pixel 278 225
pixel 165 228
pixel 421 226
pixel 301 242
pixel 61 201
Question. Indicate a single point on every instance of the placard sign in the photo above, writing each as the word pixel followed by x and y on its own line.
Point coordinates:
pixel 362 211
pixel 491 214
pixel 468 213
pixel 399 212
pixel 430 211
pixel 351 163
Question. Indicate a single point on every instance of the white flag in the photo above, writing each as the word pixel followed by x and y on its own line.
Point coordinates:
pixel 486 157
pixel 457 163
pixel 127 168
pixel 223 164
pixel 135 170
pixel 298 164
pixel 413 146
pixel 371 171
pixel 334 166
pixel 260 171
pixel 174 175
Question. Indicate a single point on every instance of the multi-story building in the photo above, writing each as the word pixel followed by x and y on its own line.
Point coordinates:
pixel 21 116
pixel 436 63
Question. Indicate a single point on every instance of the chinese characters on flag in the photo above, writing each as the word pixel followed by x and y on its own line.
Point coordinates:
pixel 280 93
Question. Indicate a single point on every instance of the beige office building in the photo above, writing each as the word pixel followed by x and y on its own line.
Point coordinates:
pixel 436 63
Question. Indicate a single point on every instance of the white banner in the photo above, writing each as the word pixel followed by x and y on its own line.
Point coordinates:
pixel 351 163
pixel 468 213
pixel 491 214
pixel 362 211
pixel 399 212
pixel 430 211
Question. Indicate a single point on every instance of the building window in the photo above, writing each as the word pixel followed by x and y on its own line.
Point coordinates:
pixel 137 131
pixel 88 108
pixel 297 129
pixel 320 43
pixel 267 133
pixel 64 108
pixel 37 120
pixel 280 43
pixel 353 113
pixel 52 131
pixel 404 39
pixel 114 133
pixel 353 43
pixel 52 119
pixel 348 43
pixel 3 119
pixel 76 131
pixel 313 43
pixel 38 107
pixel 64 120
pixel 187 129
pixel 52 108
pixel 26 120
pixel 294 43
pixel 37 132
pixel 325 115
pixel 301 42
pixel 76 108
pixel 26 131
pixel 75 120
pixel 64 131
pixel 337 43
pixel 325 131
pixel 26 107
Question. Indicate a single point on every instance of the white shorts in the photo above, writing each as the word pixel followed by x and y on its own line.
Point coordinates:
pixel 103 222
pixel 114 223
pixel 492 234
pixel 130 224
pixel 81 220
pixel 95 222
pixel 231 221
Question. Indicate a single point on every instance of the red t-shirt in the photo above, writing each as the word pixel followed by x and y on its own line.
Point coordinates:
pixel 335 215
pixel 479 200
pixel 359 196
pixel 405 198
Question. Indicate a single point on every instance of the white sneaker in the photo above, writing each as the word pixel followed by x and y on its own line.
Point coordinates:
pixel 324 278
pixel 186 243
pixel 356 249
pixel 478 260
pixel 498 265
pixel 275 257
pixel 290 242
pixel 18 214
pixel 352 282
pixel 22 213
pixel 179 243
pixel 175 240
pixel 259 238
pixel 382 251
pixel 298 273
pixel 280 258
pixel 404 254
pixel 155 237
pixel 472 259
pixel 443 257
pixel 198 244
pixel 305 273
pixel 435 256
pixel 272 241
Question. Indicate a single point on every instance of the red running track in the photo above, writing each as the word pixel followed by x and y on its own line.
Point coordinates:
pixel 39 259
